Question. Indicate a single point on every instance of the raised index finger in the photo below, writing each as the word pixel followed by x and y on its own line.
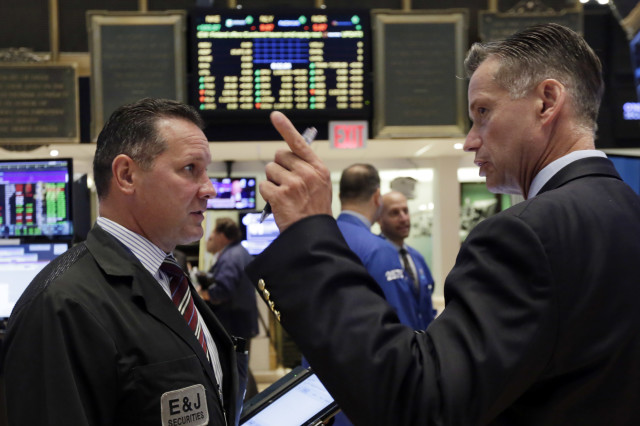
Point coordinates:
pixel 296 142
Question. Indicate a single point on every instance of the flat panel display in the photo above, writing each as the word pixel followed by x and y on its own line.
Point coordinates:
pixel 629 169
pixel 257 236
pixel 634 46
pixel 298 398
pixel 237 193
pixel 19 264
pixel 305 401
pixel 35 198
pixel 303 62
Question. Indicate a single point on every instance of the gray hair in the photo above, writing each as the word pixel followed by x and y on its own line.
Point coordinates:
pixel 542 52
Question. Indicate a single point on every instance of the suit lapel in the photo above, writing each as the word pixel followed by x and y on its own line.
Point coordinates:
pixel 591 166
pixel 162 308
pixel 145 290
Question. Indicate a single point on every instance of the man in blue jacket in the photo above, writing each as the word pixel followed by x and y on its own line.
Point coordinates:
pixel 361 204
pixel 395 224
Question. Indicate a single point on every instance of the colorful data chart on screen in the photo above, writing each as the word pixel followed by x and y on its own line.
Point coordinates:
pixel 251 61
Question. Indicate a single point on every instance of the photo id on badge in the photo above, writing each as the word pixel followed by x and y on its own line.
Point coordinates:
pixel 186 406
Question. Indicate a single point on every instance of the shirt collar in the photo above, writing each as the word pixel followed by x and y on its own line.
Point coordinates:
pixel 394 244
pixel 362 218
pixel 554 167
pixel 150 255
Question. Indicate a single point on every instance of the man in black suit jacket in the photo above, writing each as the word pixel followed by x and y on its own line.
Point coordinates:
pixel 96 338
pixel 541 320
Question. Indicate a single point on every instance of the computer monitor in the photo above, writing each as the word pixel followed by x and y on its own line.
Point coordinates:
pixel 19 264
pixel 629 169
pixel 35 198
pixel 314 65
pixel 257 236
pixel 237 193
pixel 634 47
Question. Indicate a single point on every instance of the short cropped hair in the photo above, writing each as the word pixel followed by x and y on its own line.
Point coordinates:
pixel 546 51
pixel 229 228
pixel 131 130
pixel 358 182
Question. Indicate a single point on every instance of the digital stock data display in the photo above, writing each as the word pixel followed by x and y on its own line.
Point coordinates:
pixel 294 61
pixel 35 198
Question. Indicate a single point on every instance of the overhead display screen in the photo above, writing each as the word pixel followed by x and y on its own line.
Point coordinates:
pixel 311 61
pixel 35 198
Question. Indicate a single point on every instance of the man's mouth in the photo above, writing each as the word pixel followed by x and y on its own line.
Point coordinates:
pixel 481 164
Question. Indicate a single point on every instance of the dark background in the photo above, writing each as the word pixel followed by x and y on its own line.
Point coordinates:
pixel 25 23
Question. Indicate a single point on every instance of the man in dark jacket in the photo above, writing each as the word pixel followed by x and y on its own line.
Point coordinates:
pixel 226 286
pixel 228 290
pixel 111 333
pixel 541 319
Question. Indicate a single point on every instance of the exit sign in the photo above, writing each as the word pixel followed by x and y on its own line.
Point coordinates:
pixel 348 134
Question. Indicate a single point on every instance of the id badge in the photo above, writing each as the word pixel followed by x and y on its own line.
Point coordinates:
pixel 186 406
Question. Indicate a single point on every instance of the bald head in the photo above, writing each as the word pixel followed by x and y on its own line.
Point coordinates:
pixel 360 190
pixel 394 220
pixel 358 183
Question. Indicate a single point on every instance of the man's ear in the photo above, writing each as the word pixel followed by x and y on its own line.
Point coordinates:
pixel 553 96
pixel 377 198
pixel 124 169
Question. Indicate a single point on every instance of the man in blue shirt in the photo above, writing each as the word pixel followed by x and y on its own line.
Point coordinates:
pixel 361 204
pixel 395 224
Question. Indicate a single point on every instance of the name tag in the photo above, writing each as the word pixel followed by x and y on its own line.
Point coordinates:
pixel 394 274
pixel 186 406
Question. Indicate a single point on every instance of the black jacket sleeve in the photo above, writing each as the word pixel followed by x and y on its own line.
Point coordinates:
pixel 470 363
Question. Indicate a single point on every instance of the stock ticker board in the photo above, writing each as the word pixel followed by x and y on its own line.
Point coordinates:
pixel 290 61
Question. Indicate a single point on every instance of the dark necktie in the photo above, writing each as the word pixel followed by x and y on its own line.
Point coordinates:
pixel 404 255
pixel 181 296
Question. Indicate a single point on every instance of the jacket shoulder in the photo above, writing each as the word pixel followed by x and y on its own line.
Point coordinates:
pixel 49 274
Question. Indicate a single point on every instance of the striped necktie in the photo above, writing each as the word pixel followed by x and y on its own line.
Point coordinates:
pixel 181 296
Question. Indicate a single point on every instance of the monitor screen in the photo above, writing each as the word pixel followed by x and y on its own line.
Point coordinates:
pixel 308 63
pixel 36 198
pixel 634 45
pixel 305 402
pixel 237 193
pixel 257 236
pixel 19 264
pixel 629 169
